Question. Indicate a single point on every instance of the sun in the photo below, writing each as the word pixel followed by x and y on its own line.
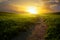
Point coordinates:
pixel 31 9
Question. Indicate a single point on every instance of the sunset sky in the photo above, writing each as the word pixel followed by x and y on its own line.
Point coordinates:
pixel 16 5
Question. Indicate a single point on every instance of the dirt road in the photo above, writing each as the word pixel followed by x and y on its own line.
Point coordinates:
pixel 39 31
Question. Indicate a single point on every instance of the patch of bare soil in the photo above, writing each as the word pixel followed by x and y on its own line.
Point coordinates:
pixel 39 31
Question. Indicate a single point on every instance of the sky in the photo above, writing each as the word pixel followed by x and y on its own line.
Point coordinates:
pixel 13 5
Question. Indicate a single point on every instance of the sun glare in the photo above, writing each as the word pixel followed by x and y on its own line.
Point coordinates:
pixel 32 10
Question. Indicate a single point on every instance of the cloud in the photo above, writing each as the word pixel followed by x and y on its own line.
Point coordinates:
pixel 3 0
pixel 56 7
pixel 53 5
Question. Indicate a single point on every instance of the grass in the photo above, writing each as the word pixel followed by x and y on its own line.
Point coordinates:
pixel 53 22
pixel 11 24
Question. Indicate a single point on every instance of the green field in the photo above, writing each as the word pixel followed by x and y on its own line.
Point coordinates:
pixel 11 24
pixel 53 22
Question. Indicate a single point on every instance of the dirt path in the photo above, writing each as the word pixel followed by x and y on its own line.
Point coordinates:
pixel 39 31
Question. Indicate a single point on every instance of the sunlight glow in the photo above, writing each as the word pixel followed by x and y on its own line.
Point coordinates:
pixel 32 9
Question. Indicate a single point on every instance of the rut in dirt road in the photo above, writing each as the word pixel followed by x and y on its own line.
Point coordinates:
pixel 39 31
